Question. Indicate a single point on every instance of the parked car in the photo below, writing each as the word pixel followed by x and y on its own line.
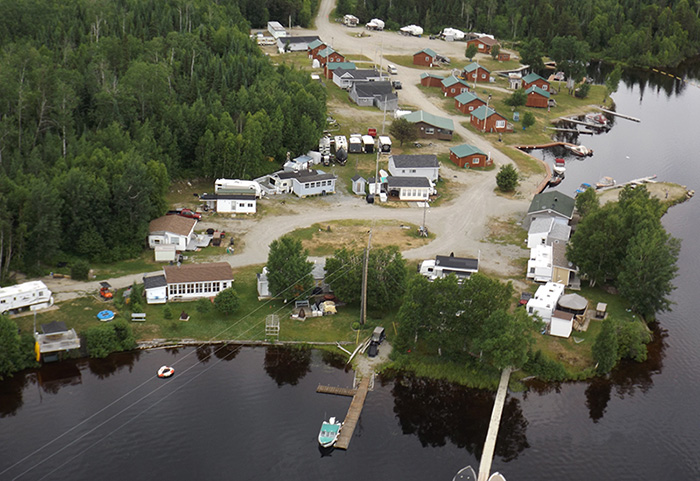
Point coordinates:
pixel 524 297
pixel 190 214
pixel 373 349
pixel 392 69
pixel 396 84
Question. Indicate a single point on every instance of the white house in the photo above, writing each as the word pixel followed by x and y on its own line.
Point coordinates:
pixel 409 188
pixel 171 229
pixel 276 29
pixel 415 166
pixel 192 281
pixel 297 164
pixel 561 324
pixel 318 183
pixel 544 302
pixel 345 78
pixel 547 231
pixel 539 265
pixel 231 203
pixel 34 295
pixel 443 266
pixel 551 204
pixel 156 289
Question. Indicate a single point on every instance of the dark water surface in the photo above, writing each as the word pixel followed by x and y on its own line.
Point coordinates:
pixel 252 413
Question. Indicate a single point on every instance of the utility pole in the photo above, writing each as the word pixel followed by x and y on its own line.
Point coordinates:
pixel 363 311
pixel 487 112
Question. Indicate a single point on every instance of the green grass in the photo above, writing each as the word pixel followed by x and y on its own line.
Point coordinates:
pixel 404 61
pixel 144 263
pixel 247 324
pixel 434 367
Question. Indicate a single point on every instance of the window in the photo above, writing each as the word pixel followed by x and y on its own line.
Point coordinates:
pixel 250 205
pixel 427 59
pixel 452 90
pixel 429 130
pixel 475 160
pixel 483 75
pixel 156 241
pixel 207 287
pixel 532 269
pixel 198 288
pixel 481 46
pixel 545 87
pixel 471 107
pixel 500 124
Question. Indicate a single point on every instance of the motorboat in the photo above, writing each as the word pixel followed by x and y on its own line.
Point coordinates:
pixel 583 187
pixel 330 430
pixel 558 170
pixel 106 315
pixel 597 118
pixel 465 474
pixel 580 150
pixel 555 180
pixel 559 162
pixel 605 182
pixel 165 371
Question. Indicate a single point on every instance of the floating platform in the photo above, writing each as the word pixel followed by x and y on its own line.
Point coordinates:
pixel 339 391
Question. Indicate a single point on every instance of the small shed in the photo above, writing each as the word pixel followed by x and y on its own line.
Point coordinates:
pixel 561 324
pixel 165 253
pixel 515 80
pixel 601 310
pixel 384 144
pixel 359 185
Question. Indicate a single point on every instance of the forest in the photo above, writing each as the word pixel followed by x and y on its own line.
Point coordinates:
pixel 103 103
pixel 642 32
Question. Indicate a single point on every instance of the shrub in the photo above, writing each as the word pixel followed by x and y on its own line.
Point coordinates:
pixel 507 178
pixel 80 270
pixel 102 340
pixel 545 369
pixel 226 301
pixel 517 99
pixel 167 312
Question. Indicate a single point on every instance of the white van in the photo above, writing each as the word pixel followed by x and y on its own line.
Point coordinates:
pixel 392 69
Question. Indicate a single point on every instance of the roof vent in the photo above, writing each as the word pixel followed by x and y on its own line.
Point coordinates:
pixel 556 199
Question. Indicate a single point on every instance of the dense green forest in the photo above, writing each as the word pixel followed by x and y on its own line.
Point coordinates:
pixel 103 102
pixel 299 12
pixel 639 32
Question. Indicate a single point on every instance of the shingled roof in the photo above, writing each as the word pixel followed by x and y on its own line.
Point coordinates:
pixel 176 224
pixel 210 271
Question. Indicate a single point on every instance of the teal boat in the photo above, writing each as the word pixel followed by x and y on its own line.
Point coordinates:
pixel 329 432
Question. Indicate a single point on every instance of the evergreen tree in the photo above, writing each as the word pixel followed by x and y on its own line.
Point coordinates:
pixel 289 271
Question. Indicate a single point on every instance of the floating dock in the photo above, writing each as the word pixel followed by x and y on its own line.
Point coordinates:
pixel 628 117
pixel 338 391
pixel 490 444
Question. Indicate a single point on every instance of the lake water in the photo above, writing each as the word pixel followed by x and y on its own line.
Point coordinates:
pixel 252 413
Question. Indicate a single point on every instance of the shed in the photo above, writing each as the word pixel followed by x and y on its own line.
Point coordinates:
pixel 165 253
pixel 426 57
pixel 155 288
pixel 601 310
pixel 359 185
pixel 561 324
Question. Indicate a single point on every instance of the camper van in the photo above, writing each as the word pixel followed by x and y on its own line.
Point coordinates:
pixel 237 186
pixel 33 295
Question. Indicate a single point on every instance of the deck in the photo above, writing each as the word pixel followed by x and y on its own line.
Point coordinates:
pixel 358 402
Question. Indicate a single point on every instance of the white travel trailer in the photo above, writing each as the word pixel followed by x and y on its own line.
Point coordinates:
pixel 375 24
pixel 340 142
pixel 452 34
pixel 413 30
pixel 33 295
pixel 236 186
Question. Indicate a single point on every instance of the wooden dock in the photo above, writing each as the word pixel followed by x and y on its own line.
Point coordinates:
pixel 492 434
pixel 339 391
pixel 358 402
pixel 627 117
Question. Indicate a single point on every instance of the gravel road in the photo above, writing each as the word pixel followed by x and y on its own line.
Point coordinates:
pixel 460 225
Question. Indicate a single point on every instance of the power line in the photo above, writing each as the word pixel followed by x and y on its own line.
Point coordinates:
pixel 307 292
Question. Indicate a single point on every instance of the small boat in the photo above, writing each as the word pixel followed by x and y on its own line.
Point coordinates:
pixel 584 187
pixel 580 150
pixel 329 432
pixel 106 315
pixel 555 180
pixel 605 182
pixel 165 371
pixel 597 118
pixel 558 170
pixel 497 477
pixel 465 474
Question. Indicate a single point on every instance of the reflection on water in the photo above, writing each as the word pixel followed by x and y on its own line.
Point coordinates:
pixel 52 377
pixel 287 365
pixel 114 363
pixel 203 353
pixel 437 412
pixel 227 352
pixel 11 399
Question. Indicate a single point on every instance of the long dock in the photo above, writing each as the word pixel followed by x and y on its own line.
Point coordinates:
pixel 490 444
pixel 350 422
pixel 628 117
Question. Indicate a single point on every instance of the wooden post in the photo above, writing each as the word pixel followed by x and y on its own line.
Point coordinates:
pixel 363 312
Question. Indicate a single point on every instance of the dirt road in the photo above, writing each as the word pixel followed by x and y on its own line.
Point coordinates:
pixel 460 225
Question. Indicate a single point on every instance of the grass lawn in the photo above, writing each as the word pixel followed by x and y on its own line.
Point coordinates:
pixel 247 324
pixel 404 61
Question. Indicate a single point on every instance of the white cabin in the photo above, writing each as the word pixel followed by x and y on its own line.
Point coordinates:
pixel 33 295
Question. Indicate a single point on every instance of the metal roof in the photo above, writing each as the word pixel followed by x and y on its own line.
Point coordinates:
pixel 466 97
pixel 538 91
pixel 481 112
pixel 427 51
pixel 463 263
pixel 465 149
pixel 400 181
pixel 430 119
pixel 415 161
pixel 553 200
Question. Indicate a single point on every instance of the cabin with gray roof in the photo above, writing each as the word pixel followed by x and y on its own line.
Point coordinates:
pixel 551 204
pixel 317 183
pixel 346 78
pixel 425 165
pixel 377 94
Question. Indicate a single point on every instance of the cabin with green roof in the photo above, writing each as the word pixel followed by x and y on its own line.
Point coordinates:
pixel 431 80
pixel 467 156
pixel 551 205
pixel 536 97
pixel 431 126
pixel 425 57
pixel 532 79
pixel 467 102
pixel 488 120
pixel 453 86
pixel 476 73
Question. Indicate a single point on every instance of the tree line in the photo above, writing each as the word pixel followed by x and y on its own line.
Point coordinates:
pixel 643 33
pixel 102 103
